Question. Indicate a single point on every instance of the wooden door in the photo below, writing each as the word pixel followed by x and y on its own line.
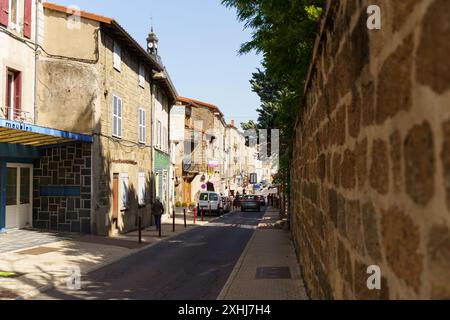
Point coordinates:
pixel 115 196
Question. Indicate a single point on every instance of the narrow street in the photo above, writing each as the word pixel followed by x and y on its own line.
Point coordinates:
pixel 192 266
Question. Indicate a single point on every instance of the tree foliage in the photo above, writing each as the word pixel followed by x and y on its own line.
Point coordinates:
pixel 284 32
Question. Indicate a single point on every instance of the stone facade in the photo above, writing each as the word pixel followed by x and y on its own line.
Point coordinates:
pixel 370 178
pixel 62 189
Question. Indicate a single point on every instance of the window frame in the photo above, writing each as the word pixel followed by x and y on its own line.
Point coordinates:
pixel 11 24
pixel 119 118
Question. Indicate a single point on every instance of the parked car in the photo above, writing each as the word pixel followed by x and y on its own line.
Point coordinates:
pixel 210 202
pixel 250 202
pixel 262 201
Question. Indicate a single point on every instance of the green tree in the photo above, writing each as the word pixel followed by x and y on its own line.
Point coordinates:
pixel 284 32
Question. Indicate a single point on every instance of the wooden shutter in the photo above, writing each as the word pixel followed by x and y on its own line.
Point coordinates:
pixel 17 94
pixel 4 12
pixel 27 19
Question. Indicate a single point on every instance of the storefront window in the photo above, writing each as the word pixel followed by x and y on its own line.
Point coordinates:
pixel 11 187
pixel 25 185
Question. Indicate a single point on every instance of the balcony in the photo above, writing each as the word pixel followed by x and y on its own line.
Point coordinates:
pixel 16 115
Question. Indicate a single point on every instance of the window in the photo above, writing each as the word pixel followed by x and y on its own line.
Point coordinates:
pixel 117 56
pixel 141 188
pixel 117 117
pixel 142 76
pixel 13 95
pixel 25 176
pixel 124 189
pixel 142 126
pixel 14 14
pixel 11 187
pixel 158 135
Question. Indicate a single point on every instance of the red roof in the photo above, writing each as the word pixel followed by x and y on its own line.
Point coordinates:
pixel 200 103
pixel 83 14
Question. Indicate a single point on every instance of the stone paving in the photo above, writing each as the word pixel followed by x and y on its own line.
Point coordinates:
pixel 21 239
pixel 35 273
pixel 268 268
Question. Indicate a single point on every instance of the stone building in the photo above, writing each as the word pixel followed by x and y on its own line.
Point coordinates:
pixel 109 87
pixel 371 157
pixel 204 155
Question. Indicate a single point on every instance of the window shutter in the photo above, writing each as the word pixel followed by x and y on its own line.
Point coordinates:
pixel 4 12
pixel 18 92
pixel 27 19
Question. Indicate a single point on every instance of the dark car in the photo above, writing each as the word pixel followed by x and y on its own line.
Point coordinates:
pixel 250 202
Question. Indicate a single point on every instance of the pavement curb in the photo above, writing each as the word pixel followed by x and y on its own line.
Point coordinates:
pixel 236 269
pixel 106 263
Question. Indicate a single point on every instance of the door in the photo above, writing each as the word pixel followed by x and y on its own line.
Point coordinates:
pixel 115 197
pixel 19 209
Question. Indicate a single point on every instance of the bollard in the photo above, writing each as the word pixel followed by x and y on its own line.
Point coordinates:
pixel 184 213
pixel 210 209
pixel 195 215
pixel 140 229
pixel 203 215
pixel 173 222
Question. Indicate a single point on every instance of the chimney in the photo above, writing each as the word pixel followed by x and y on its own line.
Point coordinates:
pixel 232 123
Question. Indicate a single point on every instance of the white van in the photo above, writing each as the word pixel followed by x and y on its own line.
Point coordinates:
pixel 210 200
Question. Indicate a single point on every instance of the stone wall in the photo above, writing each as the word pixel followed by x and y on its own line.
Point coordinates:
pixel 371 162
pixel 62 189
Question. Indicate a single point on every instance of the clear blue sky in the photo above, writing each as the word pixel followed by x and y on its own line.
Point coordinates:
pixel 199 40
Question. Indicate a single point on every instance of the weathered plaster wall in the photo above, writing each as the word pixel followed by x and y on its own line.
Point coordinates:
pixel 370 179
pixel 120 155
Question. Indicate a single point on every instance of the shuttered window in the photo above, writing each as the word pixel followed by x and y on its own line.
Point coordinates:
pixel 27 19
pixel 117 59
pixel 117 117
pixel 142 76
pixel 142 126
pixel 4 12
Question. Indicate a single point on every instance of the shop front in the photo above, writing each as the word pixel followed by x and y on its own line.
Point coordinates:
pixel 39 168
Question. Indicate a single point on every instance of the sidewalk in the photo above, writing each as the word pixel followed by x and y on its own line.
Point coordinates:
pixel 268 268
pixel 26 272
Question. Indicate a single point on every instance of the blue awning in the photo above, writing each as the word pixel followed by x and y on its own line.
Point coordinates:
pixel 35 136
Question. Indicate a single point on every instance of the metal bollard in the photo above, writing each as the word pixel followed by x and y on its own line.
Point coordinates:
pixel 203 215
pixel 195 215
pixel 184 213
pixel 140 229
pixel 173 222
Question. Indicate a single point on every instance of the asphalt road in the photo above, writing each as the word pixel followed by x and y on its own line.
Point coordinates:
pixel 192 266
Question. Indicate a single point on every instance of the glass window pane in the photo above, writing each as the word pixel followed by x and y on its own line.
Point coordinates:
pixel 213 197
pixel 25 185
pixel 14 11
pixel 11 187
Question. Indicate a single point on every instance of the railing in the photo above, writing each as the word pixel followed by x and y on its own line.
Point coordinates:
pixel 16 115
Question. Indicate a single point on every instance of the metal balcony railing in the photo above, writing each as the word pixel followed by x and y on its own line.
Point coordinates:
pixel 16 115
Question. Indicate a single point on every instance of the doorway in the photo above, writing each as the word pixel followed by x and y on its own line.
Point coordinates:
pixel 115 192
pixel 19 188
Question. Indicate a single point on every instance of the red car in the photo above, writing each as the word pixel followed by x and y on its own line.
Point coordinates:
pixel 250 202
